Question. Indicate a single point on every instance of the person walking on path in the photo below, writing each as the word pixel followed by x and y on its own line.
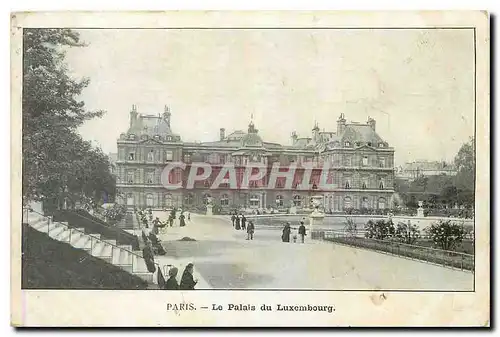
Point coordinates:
pixel 189 216
pixel 172 280
pixel 285 237
pixel 243 222
pixel 182 223
pixel 171 220
pixel 250 230
pixel 233 218
pixel 187 280
pixel 302 231
pixel 237 223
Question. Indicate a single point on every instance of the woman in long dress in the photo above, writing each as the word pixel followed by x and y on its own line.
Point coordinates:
pixel 171 283
pixel 237 223
pixel 187 280
pixel 182 223
pixel 285 237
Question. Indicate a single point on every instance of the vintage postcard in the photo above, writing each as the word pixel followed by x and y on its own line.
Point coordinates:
pixel 213 169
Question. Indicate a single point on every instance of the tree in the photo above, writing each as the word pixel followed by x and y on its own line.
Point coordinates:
pixel 465 162
pixel 446 234
pixel 54 155
pixel 407 233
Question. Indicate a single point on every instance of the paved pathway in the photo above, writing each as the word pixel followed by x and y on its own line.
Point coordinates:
pixel 224 259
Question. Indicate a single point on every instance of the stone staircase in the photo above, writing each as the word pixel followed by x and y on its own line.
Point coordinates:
pixel 120 255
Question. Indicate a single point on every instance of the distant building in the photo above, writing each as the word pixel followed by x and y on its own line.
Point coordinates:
pixel 361 162
pixel 413 170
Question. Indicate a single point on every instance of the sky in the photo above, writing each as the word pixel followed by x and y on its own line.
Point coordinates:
pixel 417 84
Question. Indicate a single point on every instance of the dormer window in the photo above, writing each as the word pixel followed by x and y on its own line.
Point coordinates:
pixel 381 145
pixel 369 144
pixel 169 138
pixel 131 137
pixel 144 137
pixel 358 144
pixel 347 144
pixel 156 137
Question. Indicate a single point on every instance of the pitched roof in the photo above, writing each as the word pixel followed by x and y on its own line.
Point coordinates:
pixel 361 133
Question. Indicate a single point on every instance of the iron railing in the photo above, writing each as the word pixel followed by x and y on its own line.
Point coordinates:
pixel 447 258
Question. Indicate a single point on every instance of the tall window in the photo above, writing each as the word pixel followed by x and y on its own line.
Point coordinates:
pixel 150 176
pixel 347 202
pixel 189 199
pixel 205 198
pixel 130 177
pixel 381 183
pixel 131 156
pixel 347 183
pixel 254 200
pixel 364 202
pixel 224 200
pixel 168 200
pixel 169 155
pixel 297 200
pixel 365 161
pixel 187 158
pixel 347 144
pixel 151 155
pixel 347 161
pixel 381 162
pixel 381 203
pixel 279 200
pixel 149 200
pixel 364 183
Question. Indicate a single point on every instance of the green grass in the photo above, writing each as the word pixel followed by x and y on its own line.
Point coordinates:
pixel 50 264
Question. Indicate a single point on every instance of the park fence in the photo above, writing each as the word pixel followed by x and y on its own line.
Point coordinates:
pixel 447 258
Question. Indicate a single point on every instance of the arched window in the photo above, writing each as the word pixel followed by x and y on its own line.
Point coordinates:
pixel 188 199
pixel 254 200
pixel 347 202
pixel 381 145
pixel 149 200
pixel 297 200
pixel 224 200
pixel 167 200
pixel 279 200
pixel 364 202
pixel 347 184
pixel 131 137
pixel 381 203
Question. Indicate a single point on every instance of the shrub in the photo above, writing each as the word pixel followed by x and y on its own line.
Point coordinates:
pixel 407 233
pixel 446 234
pixel 379 230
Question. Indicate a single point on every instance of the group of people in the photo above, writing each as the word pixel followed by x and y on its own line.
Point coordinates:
pixel 187 280
pixel 287 230
pixel 239 222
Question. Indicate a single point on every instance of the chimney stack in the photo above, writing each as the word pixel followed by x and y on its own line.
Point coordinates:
pixel 133 115
pixel 222 134
pixel 294 137
pixel 372 123
pixel 341 124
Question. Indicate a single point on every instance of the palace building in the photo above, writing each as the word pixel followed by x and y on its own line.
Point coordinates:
pixel 361 167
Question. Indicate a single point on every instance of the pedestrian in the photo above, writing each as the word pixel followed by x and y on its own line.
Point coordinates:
pixel 172 280
pixel 187 280
pixel 243 222
pixel 233 218
pixel 250 230
pixel 302 231
pixel 182 223
pixel 148 256
pixel 237 223
pixel 189 216
pixel 171 220
pixel 285 237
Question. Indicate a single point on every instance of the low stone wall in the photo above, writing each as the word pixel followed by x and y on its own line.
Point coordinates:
pixel 421 222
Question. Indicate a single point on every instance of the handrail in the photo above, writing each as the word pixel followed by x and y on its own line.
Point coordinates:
pixel 410 245
pixel 98 239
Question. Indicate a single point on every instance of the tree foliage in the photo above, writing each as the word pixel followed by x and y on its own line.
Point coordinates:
pixel 57 162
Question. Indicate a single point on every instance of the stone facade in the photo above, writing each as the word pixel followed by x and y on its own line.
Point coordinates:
pixel 361 166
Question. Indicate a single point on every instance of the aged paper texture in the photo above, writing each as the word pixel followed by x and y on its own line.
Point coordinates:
pixel 210 169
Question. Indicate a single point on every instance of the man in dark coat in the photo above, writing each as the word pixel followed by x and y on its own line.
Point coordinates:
pixel 147 254
pixel 233 219
pixel 171 283
pixel 187 281
pixel 243 222
pixel 250 230
pixel 302 231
